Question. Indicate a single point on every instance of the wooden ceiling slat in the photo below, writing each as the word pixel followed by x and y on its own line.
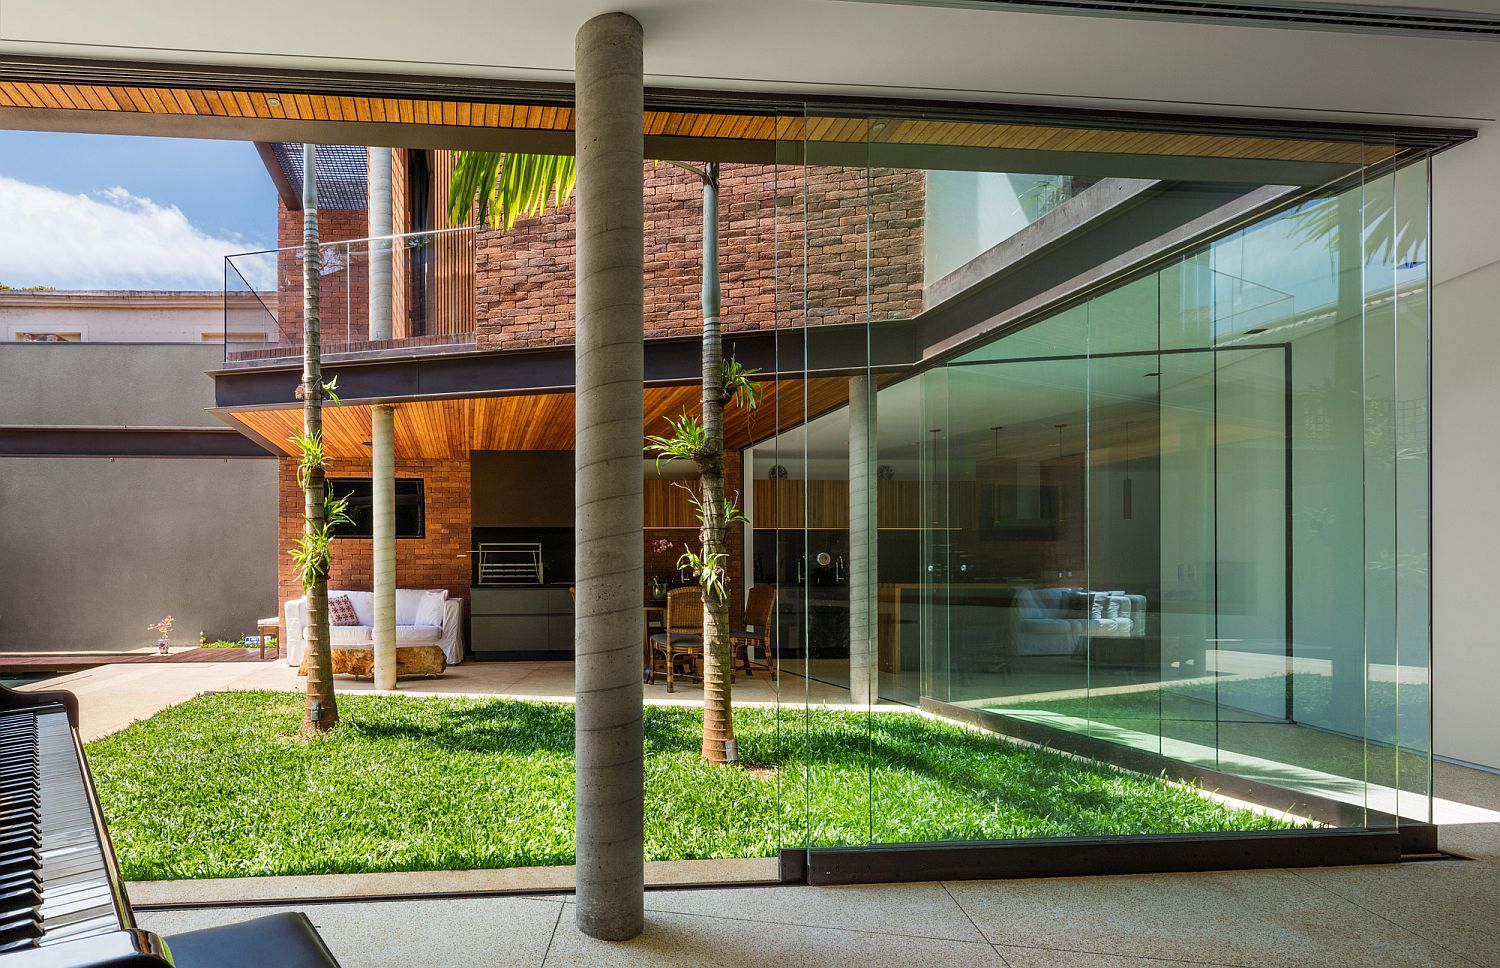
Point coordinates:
pixel 15 95
pixel 183 101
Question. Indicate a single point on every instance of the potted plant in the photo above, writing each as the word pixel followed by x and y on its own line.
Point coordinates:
pixel 163 630
pixel 660 585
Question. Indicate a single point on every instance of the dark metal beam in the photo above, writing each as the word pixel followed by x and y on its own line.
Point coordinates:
pixel 397 376
pixel 1080 856
pixel 291 199
pixel 206 443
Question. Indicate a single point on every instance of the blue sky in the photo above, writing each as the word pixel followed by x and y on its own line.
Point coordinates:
pixel 106 212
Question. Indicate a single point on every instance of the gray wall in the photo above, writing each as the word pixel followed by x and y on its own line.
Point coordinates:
pixel 1465 459
pixel 93 549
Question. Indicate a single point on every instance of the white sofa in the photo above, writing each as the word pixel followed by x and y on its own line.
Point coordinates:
pixel 423 617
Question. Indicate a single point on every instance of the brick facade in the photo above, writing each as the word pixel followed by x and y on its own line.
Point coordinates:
pixel 866 258
pixel 344 300
pixel 438 560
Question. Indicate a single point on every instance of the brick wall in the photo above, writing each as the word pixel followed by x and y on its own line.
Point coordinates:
pixel 344 300
pixel 439 560
pixel 525 277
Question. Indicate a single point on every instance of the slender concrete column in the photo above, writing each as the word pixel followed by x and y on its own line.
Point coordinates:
pixel 864 612
pixel 383 426
pixel 610 553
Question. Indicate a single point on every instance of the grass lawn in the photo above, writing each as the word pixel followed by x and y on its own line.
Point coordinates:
pixel 223 786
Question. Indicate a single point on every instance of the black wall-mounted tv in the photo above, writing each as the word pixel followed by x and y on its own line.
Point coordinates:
pixel 411 508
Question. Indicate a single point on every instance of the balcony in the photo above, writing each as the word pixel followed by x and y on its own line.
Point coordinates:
pixel 432 296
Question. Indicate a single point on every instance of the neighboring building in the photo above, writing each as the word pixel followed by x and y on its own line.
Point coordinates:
pixel 133 316
pixel 122 499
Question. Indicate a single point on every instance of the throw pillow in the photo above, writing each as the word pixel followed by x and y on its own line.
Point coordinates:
pixel 430 611
pixel 341 611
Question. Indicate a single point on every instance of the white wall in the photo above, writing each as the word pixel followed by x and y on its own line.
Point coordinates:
pixel 1466 450
pixel 132 317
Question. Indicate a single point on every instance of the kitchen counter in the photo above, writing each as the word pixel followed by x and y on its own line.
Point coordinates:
pixel 521 622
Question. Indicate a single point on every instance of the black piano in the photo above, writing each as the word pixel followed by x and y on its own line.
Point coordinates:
pixel 62 902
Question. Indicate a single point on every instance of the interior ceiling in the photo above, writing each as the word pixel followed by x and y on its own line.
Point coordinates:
pixel 435 429
pixel 823 47
pixel 493 120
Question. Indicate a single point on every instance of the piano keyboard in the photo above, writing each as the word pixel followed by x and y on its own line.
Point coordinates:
pixel 54 882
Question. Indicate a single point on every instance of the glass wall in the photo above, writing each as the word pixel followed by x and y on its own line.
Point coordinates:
pixel 1165 507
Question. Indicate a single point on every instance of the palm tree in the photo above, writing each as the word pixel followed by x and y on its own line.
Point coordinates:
pixel 322 512
pixel 515 185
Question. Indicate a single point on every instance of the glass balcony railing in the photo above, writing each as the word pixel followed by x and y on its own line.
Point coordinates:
pixel 431 295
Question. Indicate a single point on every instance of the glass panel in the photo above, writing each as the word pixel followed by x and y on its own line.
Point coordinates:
pixel 1159 517
pixel 1413 674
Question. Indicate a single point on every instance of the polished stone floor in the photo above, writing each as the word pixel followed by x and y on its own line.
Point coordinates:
pixel 1425 913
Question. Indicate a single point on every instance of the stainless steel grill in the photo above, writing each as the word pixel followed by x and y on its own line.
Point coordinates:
pixel 510 563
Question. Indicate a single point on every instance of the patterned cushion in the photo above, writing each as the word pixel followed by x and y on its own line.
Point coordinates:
pixel 341 611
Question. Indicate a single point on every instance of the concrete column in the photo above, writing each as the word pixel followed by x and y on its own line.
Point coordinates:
pixel 864 611
pixel 383 426
pixel 383 508
pixel 379 183
pixel 610 552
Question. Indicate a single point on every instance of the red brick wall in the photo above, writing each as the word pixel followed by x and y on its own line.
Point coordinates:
pixel 344 300
pixel 525 277
pixel 439 560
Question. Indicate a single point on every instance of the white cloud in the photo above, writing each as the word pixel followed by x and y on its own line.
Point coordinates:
pixel 109 240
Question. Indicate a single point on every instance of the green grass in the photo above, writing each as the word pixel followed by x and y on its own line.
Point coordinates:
pixel 224 786
pixel 235 644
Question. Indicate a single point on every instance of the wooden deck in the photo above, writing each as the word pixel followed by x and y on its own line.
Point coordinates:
pixel 32 662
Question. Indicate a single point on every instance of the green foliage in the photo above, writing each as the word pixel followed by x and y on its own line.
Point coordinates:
pixel 688 441
pixel 234 643
pixel 738 387
pixel 330 391
pixel 709 568
pixel 509 186
pixel 310 456
pixel 314 551
pixel 220 786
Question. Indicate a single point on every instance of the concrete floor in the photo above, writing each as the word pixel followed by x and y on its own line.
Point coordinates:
pixel 1429 913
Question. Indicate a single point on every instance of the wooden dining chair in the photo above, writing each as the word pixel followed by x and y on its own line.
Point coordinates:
pixel 760 616
pixel 682 633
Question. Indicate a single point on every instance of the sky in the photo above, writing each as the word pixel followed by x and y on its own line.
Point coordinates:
pixel 84 211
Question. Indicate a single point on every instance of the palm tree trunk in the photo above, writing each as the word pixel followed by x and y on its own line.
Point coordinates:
pixel 718 715
pixel 321 712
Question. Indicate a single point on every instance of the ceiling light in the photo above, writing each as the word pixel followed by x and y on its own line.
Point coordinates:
pixel 275 102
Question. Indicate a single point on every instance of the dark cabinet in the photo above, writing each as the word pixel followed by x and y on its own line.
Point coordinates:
pixel 522 623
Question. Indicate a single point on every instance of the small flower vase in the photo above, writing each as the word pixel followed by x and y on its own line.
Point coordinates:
pixel 658 589
pixel 161 646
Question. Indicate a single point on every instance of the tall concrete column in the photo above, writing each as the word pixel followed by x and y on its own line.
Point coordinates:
pixel 864 609
pixel 610 574
pixel 382 426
